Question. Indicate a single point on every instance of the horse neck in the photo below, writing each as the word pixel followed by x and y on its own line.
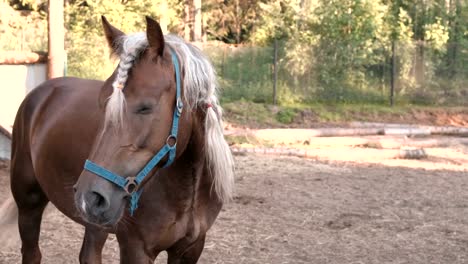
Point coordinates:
pixel 188 179
pixel 205 202
pixel 194 155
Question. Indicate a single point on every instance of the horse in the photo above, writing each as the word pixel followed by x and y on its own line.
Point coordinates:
pixel 84 145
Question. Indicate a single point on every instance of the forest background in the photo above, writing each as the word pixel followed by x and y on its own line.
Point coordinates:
pixel 292 53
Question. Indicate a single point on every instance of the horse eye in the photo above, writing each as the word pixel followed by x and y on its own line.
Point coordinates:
pixel 144 110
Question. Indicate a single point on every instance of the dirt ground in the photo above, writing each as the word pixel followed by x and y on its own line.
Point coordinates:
pixel 328 209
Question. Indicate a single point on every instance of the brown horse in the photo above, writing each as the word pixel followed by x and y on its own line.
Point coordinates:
pixel 120 124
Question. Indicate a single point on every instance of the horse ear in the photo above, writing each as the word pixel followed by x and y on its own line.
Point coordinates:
pixel 113 36
pixel 155 36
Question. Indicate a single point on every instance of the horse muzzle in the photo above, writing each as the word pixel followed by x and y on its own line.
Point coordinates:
pixel 100 203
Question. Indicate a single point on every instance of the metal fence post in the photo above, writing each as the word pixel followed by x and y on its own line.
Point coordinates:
pixel 275 71
pixel 392 75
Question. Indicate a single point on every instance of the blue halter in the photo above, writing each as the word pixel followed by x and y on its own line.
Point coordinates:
pixel 131 184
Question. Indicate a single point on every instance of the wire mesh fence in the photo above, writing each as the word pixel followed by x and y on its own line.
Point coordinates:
pixel 418 72
pixel 245 71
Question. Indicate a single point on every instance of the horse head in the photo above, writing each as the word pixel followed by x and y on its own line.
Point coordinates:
pixel 139 100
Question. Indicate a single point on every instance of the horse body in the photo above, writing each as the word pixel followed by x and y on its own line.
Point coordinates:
pixel 62 123
pixel 47 140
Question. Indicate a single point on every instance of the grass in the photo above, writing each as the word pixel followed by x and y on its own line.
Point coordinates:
pixel 260 115
pixel 352 112
pixel 246 140
pixel 244 112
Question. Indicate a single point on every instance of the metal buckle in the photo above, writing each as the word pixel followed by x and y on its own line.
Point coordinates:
pixel 179 106
pixel 131 186
pixel 171 141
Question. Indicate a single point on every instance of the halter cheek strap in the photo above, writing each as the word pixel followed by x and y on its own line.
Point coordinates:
pixel 132 184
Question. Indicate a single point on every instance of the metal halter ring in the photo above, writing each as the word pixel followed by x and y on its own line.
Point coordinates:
pixel 131 185
pixel 171 141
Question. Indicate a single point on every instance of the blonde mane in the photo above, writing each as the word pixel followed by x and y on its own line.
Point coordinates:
pixel 199 89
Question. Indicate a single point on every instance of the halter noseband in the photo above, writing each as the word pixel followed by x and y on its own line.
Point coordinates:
pixel 131 184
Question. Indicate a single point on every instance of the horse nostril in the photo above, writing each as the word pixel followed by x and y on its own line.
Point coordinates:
pixel 96 202
pixel 74 189
pixel 100 200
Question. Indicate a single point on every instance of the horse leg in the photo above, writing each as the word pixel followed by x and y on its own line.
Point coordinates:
pixel 133 251
pixel 91 249
pixel 31 202
pixel 188 254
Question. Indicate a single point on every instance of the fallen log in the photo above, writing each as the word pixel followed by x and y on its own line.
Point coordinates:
pixel 434 130
pixel 410 131
pixel 411 153
pixel 297 135
pixel 403 153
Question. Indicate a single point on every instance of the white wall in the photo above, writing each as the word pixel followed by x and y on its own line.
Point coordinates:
pixel 5 147
pixel 16 82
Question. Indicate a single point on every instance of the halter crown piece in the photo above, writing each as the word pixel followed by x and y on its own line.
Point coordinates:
pixel 131 184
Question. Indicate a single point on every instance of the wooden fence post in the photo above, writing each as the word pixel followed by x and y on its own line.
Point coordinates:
pixel 197 23
pixel 56 60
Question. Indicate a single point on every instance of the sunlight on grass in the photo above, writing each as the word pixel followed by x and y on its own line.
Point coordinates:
pixel 247 113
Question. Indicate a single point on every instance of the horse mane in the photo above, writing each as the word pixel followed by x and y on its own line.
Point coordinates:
pixel 199 89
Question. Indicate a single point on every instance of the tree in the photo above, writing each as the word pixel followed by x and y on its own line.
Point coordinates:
pixel 231 21
pixel 85 40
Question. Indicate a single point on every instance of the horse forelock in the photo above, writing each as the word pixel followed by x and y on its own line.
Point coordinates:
pixel 199 89
pixel 131 46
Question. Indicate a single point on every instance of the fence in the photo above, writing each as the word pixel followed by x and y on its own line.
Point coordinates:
pixel 418 72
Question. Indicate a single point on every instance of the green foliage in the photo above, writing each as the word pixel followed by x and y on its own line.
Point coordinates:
pixel 245 71
pixel 437 34
pixel 329 51
pixel 88 52
pixel 22 33
pixel 340 51
pixel 261 115
pixel 279 21
pixel 286 115
pixel 230 21
pixel 245 112
pixel 348 44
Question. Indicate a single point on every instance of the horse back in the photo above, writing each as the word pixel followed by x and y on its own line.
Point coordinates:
pixel 53 101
